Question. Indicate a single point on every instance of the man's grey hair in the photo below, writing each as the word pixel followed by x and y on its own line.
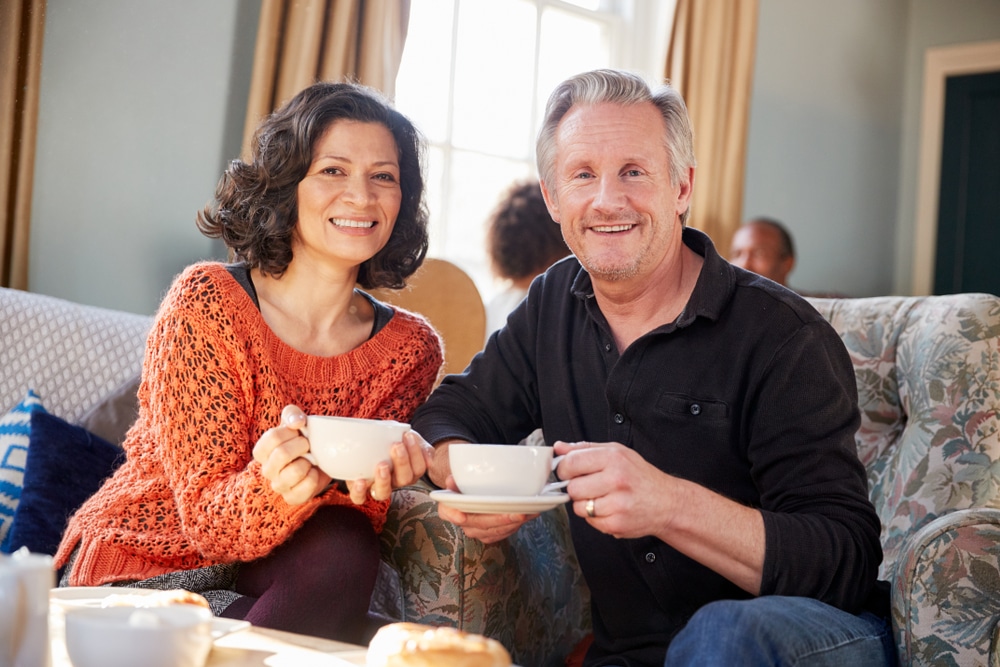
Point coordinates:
pixel 618 87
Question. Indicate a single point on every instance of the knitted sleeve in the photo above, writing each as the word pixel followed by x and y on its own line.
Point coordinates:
pixel 202 433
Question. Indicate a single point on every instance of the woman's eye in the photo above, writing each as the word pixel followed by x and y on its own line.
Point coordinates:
pixel 331 170
pixel 388 178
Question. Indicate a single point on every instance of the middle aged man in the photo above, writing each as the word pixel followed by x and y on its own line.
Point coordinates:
pixel 719 510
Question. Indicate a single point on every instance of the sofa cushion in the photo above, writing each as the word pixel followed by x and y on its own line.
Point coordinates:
pixel 112 417
pixel 15 427
pixel 66 464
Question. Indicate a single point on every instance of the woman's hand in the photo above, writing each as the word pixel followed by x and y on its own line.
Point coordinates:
pixel 279 452
pixel 410 459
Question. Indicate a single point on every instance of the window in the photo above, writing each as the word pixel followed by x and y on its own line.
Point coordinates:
pixel 475 76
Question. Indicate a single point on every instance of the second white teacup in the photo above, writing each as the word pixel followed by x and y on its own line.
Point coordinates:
pixel 502 470
pixel 349 448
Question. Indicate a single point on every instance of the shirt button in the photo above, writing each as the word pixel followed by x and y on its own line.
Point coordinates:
pixel 650 557
pixel 607 347
pixel 619 419
pixel 695 409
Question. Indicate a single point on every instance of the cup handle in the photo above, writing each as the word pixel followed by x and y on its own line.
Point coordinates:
pixel 555 486
pixel 561 484
pixel 308 456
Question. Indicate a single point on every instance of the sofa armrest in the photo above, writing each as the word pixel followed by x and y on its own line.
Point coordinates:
pixel 527 591
pixel 946 590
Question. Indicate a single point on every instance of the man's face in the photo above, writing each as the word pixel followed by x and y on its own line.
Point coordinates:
pixel 610 190
pixel 757 248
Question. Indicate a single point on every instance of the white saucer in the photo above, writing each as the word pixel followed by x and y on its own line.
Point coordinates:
pixel 93 596
pixel 499 504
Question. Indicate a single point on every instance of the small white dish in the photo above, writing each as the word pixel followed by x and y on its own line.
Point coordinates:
pixel 94 596
pixel 171 636
pixel 499 504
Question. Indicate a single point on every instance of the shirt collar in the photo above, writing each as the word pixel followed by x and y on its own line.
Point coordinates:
pixel 712 292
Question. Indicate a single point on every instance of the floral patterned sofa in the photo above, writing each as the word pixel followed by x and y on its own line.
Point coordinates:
pixel 928 371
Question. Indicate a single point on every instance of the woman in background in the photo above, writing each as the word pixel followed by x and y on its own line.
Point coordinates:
pixel 522 241
pixel 214 496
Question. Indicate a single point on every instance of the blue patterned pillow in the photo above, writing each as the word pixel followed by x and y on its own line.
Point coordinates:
pixel 66 465
pixel 15 432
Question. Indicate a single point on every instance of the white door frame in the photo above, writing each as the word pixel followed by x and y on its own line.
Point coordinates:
pixel 939 64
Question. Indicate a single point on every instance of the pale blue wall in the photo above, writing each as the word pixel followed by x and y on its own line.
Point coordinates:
pixel 823 151
pixel 834 129
pixel 141 106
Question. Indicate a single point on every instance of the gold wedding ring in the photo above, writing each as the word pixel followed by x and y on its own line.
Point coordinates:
pixel 590 508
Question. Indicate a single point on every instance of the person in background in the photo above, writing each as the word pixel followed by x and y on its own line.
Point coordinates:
pixel 522 241
pixel 764 246
pixel 215 496
pixel 718 507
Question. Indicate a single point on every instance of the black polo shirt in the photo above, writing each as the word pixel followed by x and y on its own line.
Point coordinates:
pixel 750 392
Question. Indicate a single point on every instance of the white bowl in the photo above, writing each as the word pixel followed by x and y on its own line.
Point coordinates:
pixel 173 636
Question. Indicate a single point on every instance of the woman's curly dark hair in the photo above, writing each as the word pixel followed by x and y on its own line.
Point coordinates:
pixel 521 238
pixel 256 210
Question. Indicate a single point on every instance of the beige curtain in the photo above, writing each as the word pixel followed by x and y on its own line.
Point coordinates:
pixel 21 29
pixel 300 42
pixel 710 61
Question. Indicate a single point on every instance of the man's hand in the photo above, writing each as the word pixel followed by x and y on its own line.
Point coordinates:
pixel 621 490
pixel 487 528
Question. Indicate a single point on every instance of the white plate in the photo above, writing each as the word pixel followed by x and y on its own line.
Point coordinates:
pixel 499 504
pixel 93 596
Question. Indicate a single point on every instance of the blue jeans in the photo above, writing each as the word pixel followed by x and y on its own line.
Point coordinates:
pixel 776 630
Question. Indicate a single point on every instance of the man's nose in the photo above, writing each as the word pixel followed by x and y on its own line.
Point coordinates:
pixel 609 194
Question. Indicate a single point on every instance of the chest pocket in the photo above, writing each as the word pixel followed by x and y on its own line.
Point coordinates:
pixel 678 406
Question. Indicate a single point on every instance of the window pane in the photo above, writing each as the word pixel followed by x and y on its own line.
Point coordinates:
pixel 493 77
pixel 570 44
pixel 434 184
pixel 477 182
pixel 425 73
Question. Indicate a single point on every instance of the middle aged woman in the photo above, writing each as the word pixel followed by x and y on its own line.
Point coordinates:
pixel 215 496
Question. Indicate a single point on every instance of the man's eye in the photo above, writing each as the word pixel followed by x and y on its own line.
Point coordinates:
pixel 633 172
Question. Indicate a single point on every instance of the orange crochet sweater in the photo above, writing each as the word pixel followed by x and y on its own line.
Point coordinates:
pixel 215 377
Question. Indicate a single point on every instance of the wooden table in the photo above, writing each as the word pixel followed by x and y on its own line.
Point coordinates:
pixel 253 647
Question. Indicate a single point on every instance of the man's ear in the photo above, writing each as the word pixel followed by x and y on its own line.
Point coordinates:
pixel 551 202
pixel 685 193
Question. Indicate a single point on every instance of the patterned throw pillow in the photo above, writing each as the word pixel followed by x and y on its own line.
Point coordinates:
pixel 15 431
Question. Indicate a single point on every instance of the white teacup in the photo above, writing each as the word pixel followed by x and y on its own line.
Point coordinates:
pixel 349 448
pixel 25 581
pixel 503 470
pixel 173 636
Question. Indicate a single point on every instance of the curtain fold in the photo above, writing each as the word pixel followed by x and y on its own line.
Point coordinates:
pixel 710 61
pixel 300 42
pixel 22 24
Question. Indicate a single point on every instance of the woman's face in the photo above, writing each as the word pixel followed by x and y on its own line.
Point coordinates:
pixel 349 198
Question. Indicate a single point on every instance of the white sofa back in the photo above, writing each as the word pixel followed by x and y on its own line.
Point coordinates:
pixel 72 355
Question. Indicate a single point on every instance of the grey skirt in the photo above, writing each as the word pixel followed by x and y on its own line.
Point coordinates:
pixel 214 582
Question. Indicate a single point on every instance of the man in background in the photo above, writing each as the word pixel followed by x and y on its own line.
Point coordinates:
pixel 764 246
